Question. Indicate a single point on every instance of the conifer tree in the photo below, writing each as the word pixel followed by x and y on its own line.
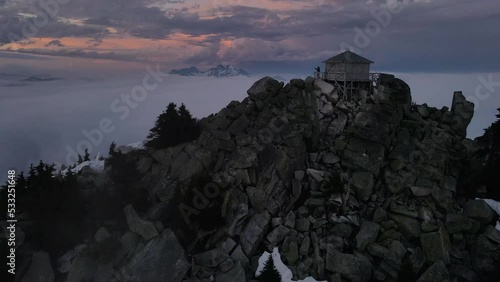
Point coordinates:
pixel 172 127
pixel 164 123
pixel 269 273
pixel 32 171
pixel 86 156
pixel 493 164
pixel 184 114
pixel 112 149
pixel 31 179
pixel 70 176
pixel 80 159
pixel 189 128
pixel 21 181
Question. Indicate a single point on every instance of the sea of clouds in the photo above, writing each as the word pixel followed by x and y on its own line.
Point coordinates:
pixel 49 120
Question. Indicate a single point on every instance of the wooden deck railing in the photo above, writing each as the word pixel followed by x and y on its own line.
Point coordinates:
pixel 341 76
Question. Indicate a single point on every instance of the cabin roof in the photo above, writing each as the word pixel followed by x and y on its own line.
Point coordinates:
pixel 348 57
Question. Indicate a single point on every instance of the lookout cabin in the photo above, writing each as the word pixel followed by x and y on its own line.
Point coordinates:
pixel 347 71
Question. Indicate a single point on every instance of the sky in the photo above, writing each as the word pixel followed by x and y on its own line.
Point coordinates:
pixel 399 35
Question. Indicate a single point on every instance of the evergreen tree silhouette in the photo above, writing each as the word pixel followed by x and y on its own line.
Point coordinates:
pixel 86 156
pixel 269 273
pixel 189 127
pixel 21 181
pixel 172 127
pixel 112 149
pixel 493 163
pixel 164 123
pixel 80 159
pixel 53 204
pixel 185 116
pixel 70 176
pixel 31 180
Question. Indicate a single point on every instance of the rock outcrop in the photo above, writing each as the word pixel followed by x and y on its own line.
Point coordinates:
pixel 359 190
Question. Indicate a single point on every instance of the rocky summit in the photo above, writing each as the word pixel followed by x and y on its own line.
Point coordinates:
pixel 365 189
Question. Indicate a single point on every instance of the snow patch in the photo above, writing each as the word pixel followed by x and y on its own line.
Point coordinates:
pixel 96 165
pixel 286 273
pixel 125 149
pixel 137 145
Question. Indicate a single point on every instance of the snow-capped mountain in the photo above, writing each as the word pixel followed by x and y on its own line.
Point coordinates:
pixel 226 71
pixel 191 71
pixel 218 71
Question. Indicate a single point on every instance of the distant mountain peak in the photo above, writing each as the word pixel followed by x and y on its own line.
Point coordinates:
pixel 218 71
pixel 39 79
pixel 191 71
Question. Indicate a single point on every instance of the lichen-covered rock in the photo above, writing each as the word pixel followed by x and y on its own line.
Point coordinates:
pixel 277 235
pixel 437 272
pixel 409 226
pixel 436 245
pixel 161 259
pixel 362 184
pixel 101 234
pixel 266 85
pixel 40 269
pixel 82 269
pixel 364 155
pixel 459 223
pixel 479 210
pixel 463 273
pixel 463 111
pixel 483 259
pixel 324 87
pixel 367 234
pixel 236 274
pixel 416 260
pixel 292 255
pixel 254 232
pixel 138 225
pixel 211 258
pixel 349 266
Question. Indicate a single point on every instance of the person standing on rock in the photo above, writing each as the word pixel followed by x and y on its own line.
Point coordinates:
pixel 318 72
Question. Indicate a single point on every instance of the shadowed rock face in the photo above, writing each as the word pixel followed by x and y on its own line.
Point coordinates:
pixel 267 165
pixel 40 269
pixel 160 259
pixel 463 112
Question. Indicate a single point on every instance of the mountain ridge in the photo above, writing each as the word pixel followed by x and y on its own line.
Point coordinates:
pixel 217 71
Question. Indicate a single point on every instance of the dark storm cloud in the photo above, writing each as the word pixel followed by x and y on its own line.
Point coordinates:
pixel 79 53
pixel 243 22
pixel 15 28
pixel 428 35
pixel 456 36
pixel 56 43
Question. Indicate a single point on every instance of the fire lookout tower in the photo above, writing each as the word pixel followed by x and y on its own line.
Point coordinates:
pixel 348 71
